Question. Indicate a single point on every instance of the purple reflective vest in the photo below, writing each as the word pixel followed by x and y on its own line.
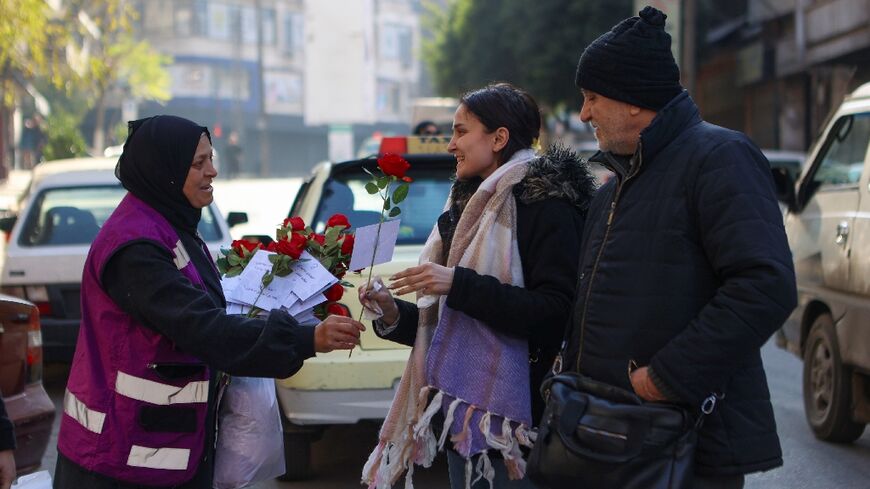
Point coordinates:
pixel 115 380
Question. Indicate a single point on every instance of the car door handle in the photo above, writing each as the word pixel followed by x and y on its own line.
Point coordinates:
pixel 842 233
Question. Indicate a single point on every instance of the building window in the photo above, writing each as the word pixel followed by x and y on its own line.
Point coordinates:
pixel 183 20
pixel 294 34
pixel 190 18
pixel 396 44
pixel 388 97
pixel 268 27
pixel 219 21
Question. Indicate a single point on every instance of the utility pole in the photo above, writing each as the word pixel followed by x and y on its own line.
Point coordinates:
pixel 262 124
pixel 689 42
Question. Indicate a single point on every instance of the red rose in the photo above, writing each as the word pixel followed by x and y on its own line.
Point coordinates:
pixel 393 164
pixel 273 246
pixel 295 223
pixel 347 244
pixel 334 293
pixel 243 243
pixel 292 246
pixel 337 310
pixel 319 238
pixel 338 220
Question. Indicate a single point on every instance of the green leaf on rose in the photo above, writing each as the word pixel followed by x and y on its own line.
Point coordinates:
pixel 332 234
pixel 267 279
pixel 371 188
pixel 400 193
pixel 387 203
pixel 395 211
pixel 234 272
pixel 383 182
pixel 234 260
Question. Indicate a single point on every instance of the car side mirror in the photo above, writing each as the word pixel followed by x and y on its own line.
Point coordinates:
pixel 236 218
pixel 784 186
pixel 7 223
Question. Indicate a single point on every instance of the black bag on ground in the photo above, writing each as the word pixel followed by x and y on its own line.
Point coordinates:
pixel 597 436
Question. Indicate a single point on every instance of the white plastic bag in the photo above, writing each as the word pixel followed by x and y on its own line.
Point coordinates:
pixel 250 440
pixel 36 480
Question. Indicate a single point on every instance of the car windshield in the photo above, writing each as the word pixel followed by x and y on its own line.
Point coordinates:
pixel 74 215
pixel 345 193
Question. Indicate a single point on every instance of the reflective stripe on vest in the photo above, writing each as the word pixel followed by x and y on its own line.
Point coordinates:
pixel 76 409
pixel 181 257
pixel 162 394
pixel 159 458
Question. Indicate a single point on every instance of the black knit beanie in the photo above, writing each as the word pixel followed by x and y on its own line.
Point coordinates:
pixel 632 62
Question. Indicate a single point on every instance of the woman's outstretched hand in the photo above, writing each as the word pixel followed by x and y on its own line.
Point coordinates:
pixel 337 333
pixel 379 294
pixel 428 278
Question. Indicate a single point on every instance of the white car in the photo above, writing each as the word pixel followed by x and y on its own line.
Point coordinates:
pixel 61 213
pixel 334 388
pixel 827 221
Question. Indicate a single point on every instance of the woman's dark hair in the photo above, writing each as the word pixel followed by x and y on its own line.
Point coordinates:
pixel 504 105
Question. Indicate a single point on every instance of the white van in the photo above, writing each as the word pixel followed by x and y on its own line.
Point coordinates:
pixel 828 225
pixel 61 213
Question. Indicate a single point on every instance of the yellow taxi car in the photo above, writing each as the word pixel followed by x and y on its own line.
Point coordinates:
pixel 334 388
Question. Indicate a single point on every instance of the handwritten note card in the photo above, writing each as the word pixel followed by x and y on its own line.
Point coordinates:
pixel 307 279
pixel 364 244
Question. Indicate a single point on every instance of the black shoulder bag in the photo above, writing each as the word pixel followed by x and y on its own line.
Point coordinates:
pixel 597 436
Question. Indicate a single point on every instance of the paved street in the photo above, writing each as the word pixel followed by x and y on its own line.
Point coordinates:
pixel 809 463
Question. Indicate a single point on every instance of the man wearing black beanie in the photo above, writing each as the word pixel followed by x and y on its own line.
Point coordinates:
pixel 685 270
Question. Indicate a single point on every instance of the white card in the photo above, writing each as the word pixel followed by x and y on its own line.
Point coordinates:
pixel 228 284
pixel 306 317
pixel 300 306
pixel 364 244
pixel 309 277
pixel 236 309
pixel 247 291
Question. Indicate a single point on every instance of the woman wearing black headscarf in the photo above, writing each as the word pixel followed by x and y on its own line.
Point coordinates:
pixel 141 400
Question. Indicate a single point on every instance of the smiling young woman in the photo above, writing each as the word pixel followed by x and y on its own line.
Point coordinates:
pixel 495 285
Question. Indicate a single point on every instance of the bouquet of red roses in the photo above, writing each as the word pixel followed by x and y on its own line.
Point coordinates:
pixel 321 259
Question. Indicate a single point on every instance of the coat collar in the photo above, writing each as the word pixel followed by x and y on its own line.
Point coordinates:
pixel 679 114
pixel 673 119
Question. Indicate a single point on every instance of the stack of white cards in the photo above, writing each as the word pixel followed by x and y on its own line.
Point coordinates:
pixel 297 293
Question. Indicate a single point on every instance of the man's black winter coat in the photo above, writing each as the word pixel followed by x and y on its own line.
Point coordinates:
pixel 686 268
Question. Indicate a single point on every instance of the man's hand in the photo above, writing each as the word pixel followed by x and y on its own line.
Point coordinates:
pixel 382 297
pixel 337 333
pixel 7 469
pixel 644 387
pixel 428 278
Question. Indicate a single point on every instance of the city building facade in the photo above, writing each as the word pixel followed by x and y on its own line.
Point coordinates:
pixel 299 81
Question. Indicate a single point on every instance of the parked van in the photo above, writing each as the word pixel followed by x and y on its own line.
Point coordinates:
pixel 828 225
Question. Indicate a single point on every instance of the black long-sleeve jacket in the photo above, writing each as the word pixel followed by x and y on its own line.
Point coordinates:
pixel 551 206
pixel 686 268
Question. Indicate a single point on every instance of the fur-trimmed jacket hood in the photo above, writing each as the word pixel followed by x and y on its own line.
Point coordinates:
pixel 557 174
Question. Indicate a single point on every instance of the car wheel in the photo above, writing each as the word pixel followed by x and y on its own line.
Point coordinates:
pixel 297 456
pixel 826 386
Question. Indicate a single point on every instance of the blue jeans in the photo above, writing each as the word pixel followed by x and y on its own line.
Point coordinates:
pixel 456 466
